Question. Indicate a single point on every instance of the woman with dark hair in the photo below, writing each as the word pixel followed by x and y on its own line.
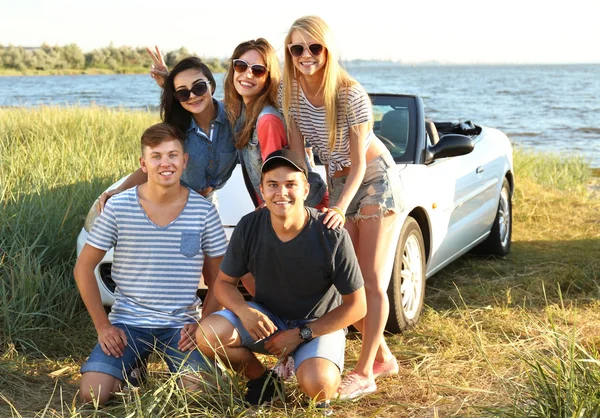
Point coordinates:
pixel 250 88
pixel 187 102
pixel 251 85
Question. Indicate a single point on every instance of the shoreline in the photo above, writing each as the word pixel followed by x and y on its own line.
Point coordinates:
pixel 6 72
pixel 72 72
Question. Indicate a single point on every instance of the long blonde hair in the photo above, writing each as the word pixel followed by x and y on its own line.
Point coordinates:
pixel 268 96
pixel 335 78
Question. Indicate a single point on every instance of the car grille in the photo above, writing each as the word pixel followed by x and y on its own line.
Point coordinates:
pixel 106 276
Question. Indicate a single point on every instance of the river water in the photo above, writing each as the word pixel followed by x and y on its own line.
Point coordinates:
pixel 543 107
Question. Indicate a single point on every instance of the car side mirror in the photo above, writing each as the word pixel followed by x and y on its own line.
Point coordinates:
pixel 450 145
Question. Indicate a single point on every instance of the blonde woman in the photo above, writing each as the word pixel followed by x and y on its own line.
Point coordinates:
pixel 324 107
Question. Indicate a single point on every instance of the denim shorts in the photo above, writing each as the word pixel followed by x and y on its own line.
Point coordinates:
pixel 141 342
pixel 330 346
pixel 381 186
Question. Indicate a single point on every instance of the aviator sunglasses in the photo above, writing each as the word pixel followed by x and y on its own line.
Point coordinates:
pixel 298 49
pixel 241 66
pixel 199 89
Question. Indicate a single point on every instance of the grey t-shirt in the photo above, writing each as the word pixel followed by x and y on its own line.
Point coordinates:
pixel 300 279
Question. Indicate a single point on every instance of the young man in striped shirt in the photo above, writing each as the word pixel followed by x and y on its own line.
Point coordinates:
pixel 162 233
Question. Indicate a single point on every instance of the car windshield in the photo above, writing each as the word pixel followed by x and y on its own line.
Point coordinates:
pixel 394 124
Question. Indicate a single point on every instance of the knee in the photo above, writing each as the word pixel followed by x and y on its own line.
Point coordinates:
pixel 318 378
pixel 98 389
pixel 214 333
pixel 207 340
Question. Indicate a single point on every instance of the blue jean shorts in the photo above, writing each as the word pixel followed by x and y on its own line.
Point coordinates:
pixel 330 346
pixel 381 186
pixel 141 342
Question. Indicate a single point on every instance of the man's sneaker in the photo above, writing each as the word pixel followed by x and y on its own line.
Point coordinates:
pixel 354 386
pixel 324 408
pixel 285 368
pixel 139 374
pixel 262 389
pixel 388 368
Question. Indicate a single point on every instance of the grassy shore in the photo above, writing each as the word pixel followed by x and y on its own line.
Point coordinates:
pixel 511 337
pixel 72 71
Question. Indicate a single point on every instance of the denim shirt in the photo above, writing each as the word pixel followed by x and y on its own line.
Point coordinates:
pixel 212 155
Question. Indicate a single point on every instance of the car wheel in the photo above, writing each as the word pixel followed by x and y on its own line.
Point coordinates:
pixel 407 285
pixel 498 242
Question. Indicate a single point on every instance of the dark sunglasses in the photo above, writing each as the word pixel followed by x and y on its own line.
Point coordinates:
pixel 199 89
pixel 298 49
pixel 241 66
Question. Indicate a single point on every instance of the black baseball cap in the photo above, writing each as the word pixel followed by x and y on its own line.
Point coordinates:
pixel 287 157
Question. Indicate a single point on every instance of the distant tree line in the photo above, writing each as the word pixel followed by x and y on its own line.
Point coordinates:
pixel 71 57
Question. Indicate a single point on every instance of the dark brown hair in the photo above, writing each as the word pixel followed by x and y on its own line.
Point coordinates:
pixel 171 110
pixel 268 95
pixel 157 134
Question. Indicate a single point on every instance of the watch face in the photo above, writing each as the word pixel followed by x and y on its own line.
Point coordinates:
pixel 306 333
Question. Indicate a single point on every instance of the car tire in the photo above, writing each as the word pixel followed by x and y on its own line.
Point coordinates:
pixel 498 242
pixel 406 291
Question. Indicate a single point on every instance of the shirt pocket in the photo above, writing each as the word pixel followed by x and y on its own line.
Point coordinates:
pixel 190 244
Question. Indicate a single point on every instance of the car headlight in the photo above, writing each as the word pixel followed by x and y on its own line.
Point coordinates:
pixel 91 217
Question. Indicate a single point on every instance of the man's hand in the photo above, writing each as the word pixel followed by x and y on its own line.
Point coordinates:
pixel 158 70
pixel 258 325
pixel 112 340
pixel 284 342
pixel 187 340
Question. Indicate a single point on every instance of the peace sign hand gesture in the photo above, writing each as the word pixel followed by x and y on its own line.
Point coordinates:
pixel 158 70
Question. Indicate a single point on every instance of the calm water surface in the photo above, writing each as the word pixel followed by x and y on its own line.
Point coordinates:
pixel 547 108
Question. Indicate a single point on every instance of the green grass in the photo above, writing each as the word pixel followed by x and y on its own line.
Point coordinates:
pixel 55 162
pixel 509 337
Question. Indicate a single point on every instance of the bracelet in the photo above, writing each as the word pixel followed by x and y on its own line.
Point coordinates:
pixel 338 210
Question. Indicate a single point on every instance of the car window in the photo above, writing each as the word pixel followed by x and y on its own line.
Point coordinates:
pixel 391 125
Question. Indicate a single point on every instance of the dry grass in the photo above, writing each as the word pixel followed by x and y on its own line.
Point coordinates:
pixel 493 332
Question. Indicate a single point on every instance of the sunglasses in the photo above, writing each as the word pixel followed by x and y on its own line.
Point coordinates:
pixel 298 49
pixel 241 66
pixel 199 89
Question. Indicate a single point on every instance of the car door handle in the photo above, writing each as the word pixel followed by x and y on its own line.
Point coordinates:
pixel 479 169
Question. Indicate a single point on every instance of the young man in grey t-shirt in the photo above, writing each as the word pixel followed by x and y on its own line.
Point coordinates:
pixel 309 288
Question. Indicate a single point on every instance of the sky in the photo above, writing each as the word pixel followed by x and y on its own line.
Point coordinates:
pixel 416 31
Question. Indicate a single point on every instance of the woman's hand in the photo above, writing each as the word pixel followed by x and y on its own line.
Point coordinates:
pixel 158 70
pixel 104 197
pixel 334 217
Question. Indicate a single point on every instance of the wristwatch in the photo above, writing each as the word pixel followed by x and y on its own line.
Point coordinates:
pixel 306 333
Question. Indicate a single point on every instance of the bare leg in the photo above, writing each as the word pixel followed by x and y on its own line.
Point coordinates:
pixel 98 386
pixel 318 378
pixel 374 241
pixel 216 335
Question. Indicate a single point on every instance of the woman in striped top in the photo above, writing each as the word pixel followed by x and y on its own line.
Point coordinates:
pixel 324 107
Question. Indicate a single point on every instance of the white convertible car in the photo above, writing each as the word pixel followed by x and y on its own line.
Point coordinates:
pixel 458 182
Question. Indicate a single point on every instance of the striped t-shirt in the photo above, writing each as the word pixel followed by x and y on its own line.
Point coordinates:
pixel 355 108
pixel 157 269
